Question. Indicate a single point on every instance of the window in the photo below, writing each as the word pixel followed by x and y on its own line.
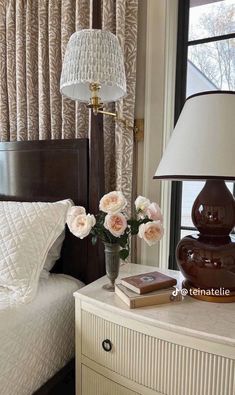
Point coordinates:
pixel 205 62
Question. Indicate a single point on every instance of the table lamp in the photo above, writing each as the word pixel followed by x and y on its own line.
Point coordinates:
pixel 93 69
pixel 202 147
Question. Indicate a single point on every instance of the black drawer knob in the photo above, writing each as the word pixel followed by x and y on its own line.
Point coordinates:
pixel 107 345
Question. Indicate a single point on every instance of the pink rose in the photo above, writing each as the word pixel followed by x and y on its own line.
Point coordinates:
pixel 154 212
pixel 73 212
pixel 81 225
pixel 116 224
pixel 113 202
pixel 151 232
pixel 141 204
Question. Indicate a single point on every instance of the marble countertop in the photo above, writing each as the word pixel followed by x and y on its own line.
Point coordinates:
pixel 209 321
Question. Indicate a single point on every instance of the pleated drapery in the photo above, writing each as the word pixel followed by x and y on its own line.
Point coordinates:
pixel 33 38
pixel 120 17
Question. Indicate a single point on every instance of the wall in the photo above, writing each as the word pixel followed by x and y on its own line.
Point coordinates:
pixel 156 78
pixel 140 101
pixel 140 89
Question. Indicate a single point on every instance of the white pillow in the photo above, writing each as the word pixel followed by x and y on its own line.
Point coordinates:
pixel 27 232
pixel 53 255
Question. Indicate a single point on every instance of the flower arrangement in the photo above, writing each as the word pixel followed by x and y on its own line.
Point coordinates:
pixel 111 224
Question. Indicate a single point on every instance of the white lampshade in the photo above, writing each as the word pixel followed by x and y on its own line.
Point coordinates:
pixel 202 145
pixel 93 56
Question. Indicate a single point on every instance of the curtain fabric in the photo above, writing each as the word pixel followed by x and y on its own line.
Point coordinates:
pixel 33 38
pixel 120 17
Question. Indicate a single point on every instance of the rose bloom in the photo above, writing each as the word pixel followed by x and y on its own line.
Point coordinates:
pixel 154 212
pixel 116 224
pixel 73 212
pixel 81 225
pixel 142 203
pixel 151 232
pixel 113 202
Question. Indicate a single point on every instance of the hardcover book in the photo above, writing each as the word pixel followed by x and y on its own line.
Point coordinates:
pixel 134 300
pixel 147 282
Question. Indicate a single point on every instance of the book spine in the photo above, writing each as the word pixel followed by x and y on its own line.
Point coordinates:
pixel 153 287
pixel 161 299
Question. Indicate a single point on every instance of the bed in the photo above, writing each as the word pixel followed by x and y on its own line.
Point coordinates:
pixel 37 339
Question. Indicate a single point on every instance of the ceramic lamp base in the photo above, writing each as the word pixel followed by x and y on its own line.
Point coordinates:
pixel 207 259
pixel 209 295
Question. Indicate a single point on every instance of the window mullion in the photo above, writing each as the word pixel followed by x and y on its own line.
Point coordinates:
pixel 211 39
pixel 180 95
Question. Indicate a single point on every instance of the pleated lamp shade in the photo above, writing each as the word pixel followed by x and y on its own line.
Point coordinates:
pixel 93 56
pixel 202 145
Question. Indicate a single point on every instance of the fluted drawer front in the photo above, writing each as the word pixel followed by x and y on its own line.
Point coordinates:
pixel 95 384
pixel 158 364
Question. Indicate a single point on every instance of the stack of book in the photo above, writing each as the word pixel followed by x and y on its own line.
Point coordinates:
pixel 147 289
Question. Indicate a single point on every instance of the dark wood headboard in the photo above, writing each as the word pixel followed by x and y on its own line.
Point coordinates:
pixel 49 171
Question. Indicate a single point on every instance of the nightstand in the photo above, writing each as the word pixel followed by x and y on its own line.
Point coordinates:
pixel 183 348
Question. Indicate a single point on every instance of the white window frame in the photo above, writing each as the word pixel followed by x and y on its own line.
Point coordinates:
pixel 161 47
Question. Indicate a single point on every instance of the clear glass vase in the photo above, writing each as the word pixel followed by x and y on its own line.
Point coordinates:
pixel 112 263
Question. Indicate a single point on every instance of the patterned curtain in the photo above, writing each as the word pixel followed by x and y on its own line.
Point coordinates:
pixel 120 17
pixel 33 38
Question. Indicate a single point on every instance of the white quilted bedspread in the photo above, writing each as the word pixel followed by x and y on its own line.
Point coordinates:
pixel 27 233
pixel 37 339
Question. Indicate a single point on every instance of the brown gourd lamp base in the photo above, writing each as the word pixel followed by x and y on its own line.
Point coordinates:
pixel 207 259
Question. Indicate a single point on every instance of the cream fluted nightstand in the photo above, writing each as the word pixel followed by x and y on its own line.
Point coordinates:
pixel 184 348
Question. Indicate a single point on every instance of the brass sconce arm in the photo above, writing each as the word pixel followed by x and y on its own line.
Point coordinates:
pixel 97 106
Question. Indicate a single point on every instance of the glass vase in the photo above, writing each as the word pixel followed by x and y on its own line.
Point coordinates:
pixel 112 263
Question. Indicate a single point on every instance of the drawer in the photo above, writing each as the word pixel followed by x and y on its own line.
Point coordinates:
pixel 95 384
pixel 163 366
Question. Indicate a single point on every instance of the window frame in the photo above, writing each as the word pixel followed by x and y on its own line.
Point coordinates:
pixel 183 43
pixel 180 96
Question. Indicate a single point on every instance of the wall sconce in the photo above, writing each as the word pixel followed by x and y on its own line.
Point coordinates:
pixel 93 70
